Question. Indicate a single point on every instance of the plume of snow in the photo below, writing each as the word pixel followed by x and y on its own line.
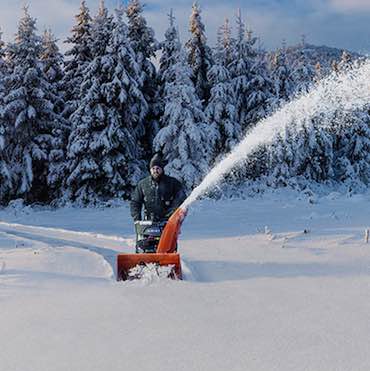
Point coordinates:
pixel 348 91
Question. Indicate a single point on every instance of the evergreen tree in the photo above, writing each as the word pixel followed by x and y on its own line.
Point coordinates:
pixel 280 160
pixel 345 61
pixel 282 77
pixel 199 55
pixel 313 151
pixel 253 89
pixel 240 70
pixel 170 47
pixel 52 61
pixel 101 30
pixel 77 57
pixel 5 175
pixel 144 45
pixel 225 48
pixel 102 151
pixel 298 157
pixel 320 153
pixel 221 108
pixel 185 140
pixel 303 72
pixel 352 147
pixel 4 67
pixel 141 36
pixel 318 73
pixel 260 87
pixel 29 112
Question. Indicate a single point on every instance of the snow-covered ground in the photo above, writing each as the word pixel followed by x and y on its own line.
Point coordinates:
pixel 272 283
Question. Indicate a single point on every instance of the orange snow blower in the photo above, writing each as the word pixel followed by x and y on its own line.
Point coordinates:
pixel 165 253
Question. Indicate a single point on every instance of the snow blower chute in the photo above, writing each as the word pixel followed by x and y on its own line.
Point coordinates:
pixel 161 235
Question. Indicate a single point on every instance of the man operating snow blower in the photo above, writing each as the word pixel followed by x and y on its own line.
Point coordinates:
pixel 158 229
pixel 160 195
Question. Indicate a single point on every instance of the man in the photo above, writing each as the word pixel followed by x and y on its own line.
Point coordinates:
pixel 159 194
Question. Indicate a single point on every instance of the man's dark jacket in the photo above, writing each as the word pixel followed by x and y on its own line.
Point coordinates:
pixel 159 198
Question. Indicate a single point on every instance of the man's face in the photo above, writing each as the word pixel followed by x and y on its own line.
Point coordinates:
pixel 156 172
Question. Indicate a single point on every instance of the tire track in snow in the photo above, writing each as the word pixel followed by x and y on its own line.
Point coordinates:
pixel 104 245
pixel 66 231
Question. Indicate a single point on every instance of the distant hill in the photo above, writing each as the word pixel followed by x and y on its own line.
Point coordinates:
pixel 325 55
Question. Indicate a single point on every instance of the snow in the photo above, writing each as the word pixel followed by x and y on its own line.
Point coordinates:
pixel 279 282
pixel 347 92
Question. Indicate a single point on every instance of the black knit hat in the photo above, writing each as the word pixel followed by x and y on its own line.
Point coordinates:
pixel 156 161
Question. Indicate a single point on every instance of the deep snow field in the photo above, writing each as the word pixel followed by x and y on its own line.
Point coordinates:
pixel 279 282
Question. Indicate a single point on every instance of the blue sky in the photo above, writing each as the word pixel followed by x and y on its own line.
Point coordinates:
pixel 338 23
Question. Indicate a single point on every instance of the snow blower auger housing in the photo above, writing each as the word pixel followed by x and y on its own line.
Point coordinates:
pixel 157 244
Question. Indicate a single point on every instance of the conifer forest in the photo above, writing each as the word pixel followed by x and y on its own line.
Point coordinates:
pixel 81 126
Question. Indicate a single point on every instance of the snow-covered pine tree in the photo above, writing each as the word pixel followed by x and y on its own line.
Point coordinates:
pixel 102 150
pixel 29 111
pixel 313 152
pixel 282 77
pixel 170 47
pixel 76 59
pixel 253 90
pixel 5 175
pixel 352 147
pixel 141 36
pixel 185 140
pixel 260 85
pixel 144 45
pixel 334 66
pixel 225 48
pixel 280 160
pixel 303 72
pixel 345 61
pixel 101 30
pixel 52 61
pixel 337 152
pixel 221 109
pixel 300 156
pixel 240 68
pixel 199 55
pixel 351 134
pixel 85 181
pixel 4 68
pixel 318 73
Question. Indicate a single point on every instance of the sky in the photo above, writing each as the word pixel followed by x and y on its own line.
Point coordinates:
pixel 338 23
